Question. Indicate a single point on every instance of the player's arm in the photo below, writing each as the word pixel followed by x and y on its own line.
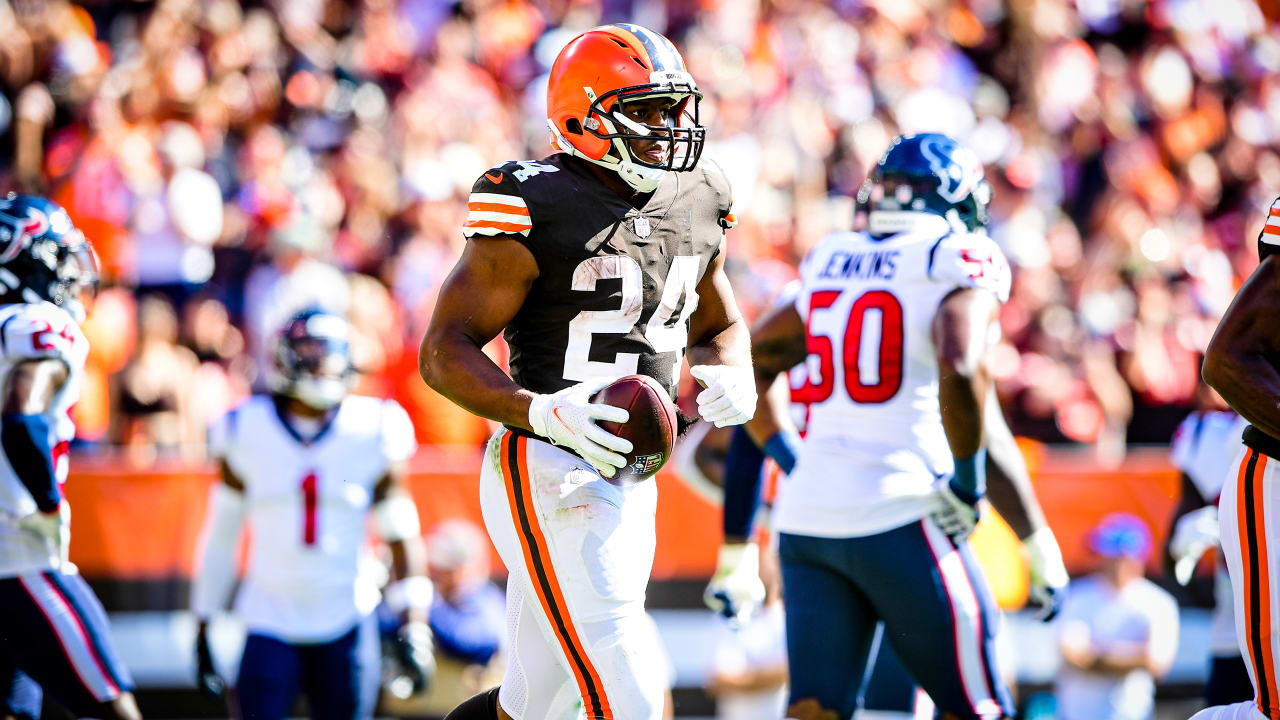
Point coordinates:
pixel 719 350
pixel 24 428
pixel 961 329
pixel 1012 495
pixel 216 574
pixel 395 517
pixel 479 298
pixel 1193 530
pixel 777 345
pixel 1239 360
pixel 735 588
pixel 410 594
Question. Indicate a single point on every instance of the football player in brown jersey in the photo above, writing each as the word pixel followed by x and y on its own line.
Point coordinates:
pixel 1241 364
pixel 603 260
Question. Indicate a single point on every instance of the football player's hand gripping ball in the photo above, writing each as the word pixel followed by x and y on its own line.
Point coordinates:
pixel 736 589
pixel 1048 575
pixel 730 394
pixel 1193 535
pixel 568 418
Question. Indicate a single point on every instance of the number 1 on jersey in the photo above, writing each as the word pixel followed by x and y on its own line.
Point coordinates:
pixel 309 509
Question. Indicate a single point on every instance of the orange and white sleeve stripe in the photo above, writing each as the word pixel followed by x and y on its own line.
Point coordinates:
pixel 1271 231
pixel 496 213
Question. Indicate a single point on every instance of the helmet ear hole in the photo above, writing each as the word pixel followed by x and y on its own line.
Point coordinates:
pixel 573 125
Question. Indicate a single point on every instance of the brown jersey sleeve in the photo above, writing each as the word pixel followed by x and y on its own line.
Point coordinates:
pixel 496 207
pixel 1269 238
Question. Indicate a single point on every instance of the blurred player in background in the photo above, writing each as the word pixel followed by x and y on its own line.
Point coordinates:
pixel 1203 448
pixel 873 519
pixel 53 631
pixel 1240 364
pixel 889 690
pixel 603 260
pixel 306 466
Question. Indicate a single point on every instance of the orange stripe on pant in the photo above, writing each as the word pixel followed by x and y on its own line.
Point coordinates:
pixel 543 575
pixel 1256 580
pixel 1264 588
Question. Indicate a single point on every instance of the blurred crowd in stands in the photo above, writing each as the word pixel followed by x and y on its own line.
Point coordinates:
pixel 233 161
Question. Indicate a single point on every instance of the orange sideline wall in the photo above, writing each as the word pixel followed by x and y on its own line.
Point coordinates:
pixel 142 522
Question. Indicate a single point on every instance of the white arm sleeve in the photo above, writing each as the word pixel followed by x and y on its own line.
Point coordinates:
pixel 217 571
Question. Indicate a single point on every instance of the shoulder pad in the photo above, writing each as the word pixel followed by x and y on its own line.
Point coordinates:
pixel 399 440
pixel 971 260
pixel 715 177
pixel 1269 238
pixel 41 330
pixel 1180 446
pixel 496 206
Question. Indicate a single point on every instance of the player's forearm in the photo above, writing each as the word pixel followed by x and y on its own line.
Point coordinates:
pixel 729 345
pixel 457 368
pixel 1249 383
pixel 1008 482
pixel 408 559
pixel 962 391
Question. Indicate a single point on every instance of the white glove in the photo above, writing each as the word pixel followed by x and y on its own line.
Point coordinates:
pixel 568 418
pixel 730 394
pixel 736 589
pixel 954 516
pixel 1193 535
pixel 54 528
pixel 1047 572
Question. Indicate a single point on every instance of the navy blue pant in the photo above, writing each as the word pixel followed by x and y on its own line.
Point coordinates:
pixel 54 631
pixel 887 685
pixel 338 678
pixel 1228 681
pixel 938 615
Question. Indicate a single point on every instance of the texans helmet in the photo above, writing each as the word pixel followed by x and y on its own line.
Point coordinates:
pixel 43 257
pixel 596 75
pixel 312 361
pixel 925 181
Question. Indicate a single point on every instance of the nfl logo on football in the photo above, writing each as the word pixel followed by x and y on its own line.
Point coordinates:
pixel 646 464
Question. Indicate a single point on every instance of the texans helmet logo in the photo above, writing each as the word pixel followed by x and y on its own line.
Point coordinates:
pixel 16 232
pixel 958 170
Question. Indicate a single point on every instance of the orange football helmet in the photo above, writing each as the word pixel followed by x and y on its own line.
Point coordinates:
pixel 596 75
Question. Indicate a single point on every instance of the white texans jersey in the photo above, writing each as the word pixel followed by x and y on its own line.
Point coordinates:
pixel 306 509
pixel 37 331
pixel 874 446
pixel 1204 447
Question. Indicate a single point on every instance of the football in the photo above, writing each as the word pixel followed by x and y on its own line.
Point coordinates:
pixel 651 429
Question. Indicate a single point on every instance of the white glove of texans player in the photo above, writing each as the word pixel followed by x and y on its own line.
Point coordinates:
pixel 730 394
pixel 568 418
pixel 954 516
pixel 736 589
pixel 55 529
pixel 1048 574
pixel 1193 535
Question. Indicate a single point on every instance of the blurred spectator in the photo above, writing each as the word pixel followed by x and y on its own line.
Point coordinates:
pixel 294 279
pixel 1118 631
pixel 153 391
pixel 749 671
pixel 1131 148
pixel 176 222
pixel 468 618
